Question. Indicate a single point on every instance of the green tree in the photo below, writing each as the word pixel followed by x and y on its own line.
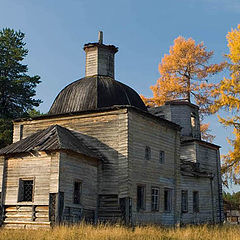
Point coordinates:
pixel 17 88
pixel 232 201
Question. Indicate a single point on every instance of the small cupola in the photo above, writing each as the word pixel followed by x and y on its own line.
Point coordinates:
pixel 99 58
pixel 98 89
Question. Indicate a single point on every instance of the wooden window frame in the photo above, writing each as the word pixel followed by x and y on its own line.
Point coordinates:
pixel 184 206
pixel 161 157
pixel 21 189
pixel 147 153
pixel 155 199
pixel 168 206
pixel 80 192
pixel 143 205
pixel 196 201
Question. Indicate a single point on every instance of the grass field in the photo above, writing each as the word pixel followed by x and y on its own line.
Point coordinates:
pixel 88 232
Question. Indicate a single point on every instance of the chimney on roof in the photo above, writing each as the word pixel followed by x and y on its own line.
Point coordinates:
pixel 99 58
pixel 100 37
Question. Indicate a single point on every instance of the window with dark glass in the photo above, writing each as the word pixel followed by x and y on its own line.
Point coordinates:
pixel 167 199
pixel 184 201
pixel 77 192
pixel 195 201
pixel 140 198
pixel 147 153
pixel 161 157
pixel 25 190
pixel 155 199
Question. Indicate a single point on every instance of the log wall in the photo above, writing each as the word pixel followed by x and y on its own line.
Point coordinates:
pixel 206 201
pixel 108 133
pixel 209 159
pixel 144 131
pixel 40 168
pixel 78 168
pixel 43 169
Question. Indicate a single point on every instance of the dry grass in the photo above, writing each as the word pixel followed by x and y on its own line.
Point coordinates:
pixel 105 232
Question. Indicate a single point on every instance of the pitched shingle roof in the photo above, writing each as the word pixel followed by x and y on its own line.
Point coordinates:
pixel 53 138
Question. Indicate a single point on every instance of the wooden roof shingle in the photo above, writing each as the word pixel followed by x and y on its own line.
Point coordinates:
pixel 95 92
pixel 54 137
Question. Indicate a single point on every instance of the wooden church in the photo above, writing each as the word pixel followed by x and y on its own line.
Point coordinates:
pixel 101 155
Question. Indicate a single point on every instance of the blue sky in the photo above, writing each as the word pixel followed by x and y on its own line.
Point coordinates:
pixel 56 31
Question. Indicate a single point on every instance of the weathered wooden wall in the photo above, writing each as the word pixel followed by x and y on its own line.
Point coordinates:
pixel 206 207
pixel 99 61
pixel 181 114
pixel 188 152
pixel 78 168
pixel 91 67
pixel 209 159
pixel 121 136
pixel 145 131
pixel 44 170
pixel 1 172
pixel 108 131
pixel 36 167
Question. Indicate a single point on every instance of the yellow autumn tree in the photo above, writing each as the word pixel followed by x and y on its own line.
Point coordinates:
pixel 228 97
pixel 184 74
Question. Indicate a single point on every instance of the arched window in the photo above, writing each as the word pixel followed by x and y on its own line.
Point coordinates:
pixel 193 120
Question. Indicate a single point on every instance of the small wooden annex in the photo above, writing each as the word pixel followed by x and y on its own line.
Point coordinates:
pixel 101 155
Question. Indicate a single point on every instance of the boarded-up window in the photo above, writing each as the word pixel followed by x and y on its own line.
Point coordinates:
pixel 167 199
pixel 147 153
pixel 140 198
pixel 195 201
pixel 155 199
pixel 184 201
pixel 25 193
pixel 77 192
pixel 161 157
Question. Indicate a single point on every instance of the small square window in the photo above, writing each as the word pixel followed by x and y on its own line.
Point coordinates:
pixel 195 201
pixel 140 198
pixel 155 199
pixel 147 153
pixel 184 201
pixel 25 193
pixel 161 157
pixel 167 200
pixel 77 192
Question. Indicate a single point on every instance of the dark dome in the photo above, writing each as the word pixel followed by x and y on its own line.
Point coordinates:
pixel 93 93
